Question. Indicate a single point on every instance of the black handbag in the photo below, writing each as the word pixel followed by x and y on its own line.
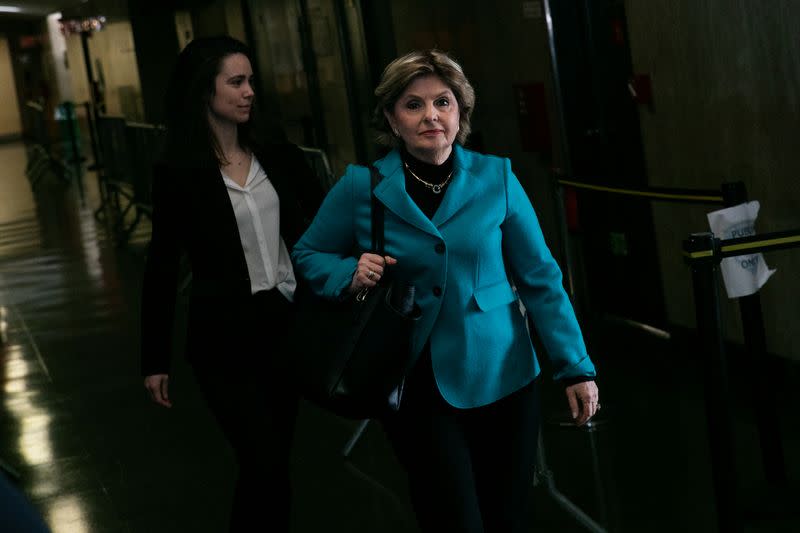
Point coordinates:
pixel 351 356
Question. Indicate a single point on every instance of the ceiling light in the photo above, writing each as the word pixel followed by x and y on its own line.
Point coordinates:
pixel 10 9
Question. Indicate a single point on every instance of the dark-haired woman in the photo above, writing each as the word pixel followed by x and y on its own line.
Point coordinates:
pixel 234 207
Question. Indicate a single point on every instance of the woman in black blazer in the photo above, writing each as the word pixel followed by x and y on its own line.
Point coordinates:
pixel 234 208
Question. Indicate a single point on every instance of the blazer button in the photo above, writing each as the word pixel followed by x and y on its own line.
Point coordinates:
pixel 439 248
pixel 437 291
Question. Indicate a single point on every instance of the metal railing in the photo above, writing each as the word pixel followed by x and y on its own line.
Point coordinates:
pixel 48 158
pixel 663 194
pixel 127 153
pixel 318 161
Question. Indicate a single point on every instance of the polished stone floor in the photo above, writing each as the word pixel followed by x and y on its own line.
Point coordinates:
pixel 95 456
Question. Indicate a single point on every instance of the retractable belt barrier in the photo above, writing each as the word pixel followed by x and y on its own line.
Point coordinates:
pixel 714 197
pixel 718 197
pixel 720 249
pixel 703 253
pixel 666 194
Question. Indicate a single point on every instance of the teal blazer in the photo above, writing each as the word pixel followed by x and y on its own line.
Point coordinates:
pixel 484 230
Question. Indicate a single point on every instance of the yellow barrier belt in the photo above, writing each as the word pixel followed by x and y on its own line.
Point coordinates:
pixel 698 255
pixel 744 247
pixel 631 192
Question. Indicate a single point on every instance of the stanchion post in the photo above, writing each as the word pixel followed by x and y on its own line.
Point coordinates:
pixel 91 121
pixel 72 120
pixel 568 263
pixel 91 106
pixel 715 372
pixel 759 365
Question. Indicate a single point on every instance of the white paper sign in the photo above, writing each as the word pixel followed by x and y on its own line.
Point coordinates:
pixel 743 274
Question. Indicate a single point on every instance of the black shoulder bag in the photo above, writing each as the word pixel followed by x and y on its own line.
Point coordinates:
pixel 351 356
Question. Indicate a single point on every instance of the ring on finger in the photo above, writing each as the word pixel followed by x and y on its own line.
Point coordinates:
pixel 371 274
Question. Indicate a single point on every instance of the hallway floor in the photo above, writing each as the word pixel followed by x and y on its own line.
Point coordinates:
pixel 94 455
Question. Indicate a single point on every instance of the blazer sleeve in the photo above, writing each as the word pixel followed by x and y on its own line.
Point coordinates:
pixel 323 257
pixel 539 283
pixel 160 283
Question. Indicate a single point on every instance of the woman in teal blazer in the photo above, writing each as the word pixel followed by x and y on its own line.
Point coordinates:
pixel 459 226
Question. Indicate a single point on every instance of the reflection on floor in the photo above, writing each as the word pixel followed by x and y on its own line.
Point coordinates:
pixel 94 455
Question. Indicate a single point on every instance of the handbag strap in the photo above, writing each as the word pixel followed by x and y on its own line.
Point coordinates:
pixel 376 210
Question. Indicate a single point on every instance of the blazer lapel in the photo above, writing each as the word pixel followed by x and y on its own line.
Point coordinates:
pixel 461 189
pixel 391 191
pixel 218 198
pixel 275 169
pixel 224 231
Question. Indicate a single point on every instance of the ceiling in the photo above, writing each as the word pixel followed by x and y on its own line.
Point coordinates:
pixel 37 7
pixel 69 8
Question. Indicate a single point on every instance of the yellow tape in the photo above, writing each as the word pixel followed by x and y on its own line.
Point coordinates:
pixel 744 247
pixel 755 244
pixel 698 197
pixel 698 255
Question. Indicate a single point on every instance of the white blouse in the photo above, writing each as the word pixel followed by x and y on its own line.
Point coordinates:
pixel 256 206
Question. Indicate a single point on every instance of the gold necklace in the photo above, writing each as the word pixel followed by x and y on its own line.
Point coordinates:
pixel 435 187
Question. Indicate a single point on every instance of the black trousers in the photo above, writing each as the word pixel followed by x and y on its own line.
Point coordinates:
pixel 469 470
pixel 256 410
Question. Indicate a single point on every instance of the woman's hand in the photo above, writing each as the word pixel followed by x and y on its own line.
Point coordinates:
pixel 158 387
pixel 369 271
pixel 583 401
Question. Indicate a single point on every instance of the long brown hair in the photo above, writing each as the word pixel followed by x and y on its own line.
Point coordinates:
pixel 190 140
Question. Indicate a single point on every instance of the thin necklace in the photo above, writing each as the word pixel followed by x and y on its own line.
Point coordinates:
pixel 239 160
pixel 435 187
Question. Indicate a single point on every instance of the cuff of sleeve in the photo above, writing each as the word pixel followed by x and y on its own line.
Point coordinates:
pixel 583 368
pixel 574 381
pixel 153 369
pixel 340 278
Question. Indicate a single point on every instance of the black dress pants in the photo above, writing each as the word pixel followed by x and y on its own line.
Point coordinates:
pixel 246 388
pixel 469 470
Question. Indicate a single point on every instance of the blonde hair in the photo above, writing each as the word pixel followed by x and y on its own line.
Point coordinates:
pixel 405 69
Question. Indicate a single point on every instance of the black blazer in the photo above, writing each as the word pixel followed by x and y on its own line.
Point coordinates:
pixel 193 218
